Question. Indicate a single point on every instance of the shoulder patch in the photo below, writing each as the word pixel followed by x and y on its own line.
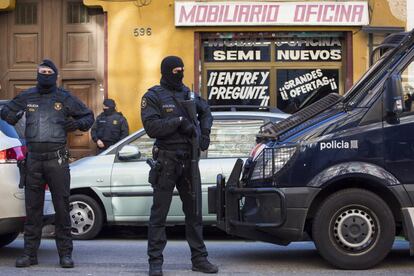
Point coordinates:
pixel 144 103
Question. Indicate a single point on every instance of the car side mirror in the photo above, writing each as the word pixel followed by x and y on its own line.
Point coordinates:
pixel 393 98
pixel 129 152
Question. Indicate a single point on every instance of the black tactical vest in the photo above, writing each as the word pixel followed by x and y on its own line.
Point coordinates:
pixel 45 117
pixel 109 127
pixel 168 101
pixel 169 105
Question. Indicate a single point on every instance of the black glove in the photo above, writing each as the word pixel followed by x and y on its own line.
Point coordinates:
pixel 204 139
pixel 11 117
pixel 186 127
pixel 70 125
pixel 19 114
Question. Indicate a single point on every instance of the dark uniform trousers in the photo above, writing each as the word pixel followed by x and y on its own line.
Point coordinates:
pixel 57 177
pixel 174 172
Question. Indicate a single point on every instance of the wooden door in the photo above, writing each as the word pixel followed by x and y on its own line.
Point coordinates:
pixel 65 31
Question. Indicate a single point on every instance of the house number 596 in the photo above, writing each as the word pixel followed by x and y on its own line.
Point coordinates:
pixel 142 32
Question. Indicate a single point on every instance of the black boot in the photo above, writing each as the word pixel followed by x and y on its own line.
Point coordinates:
pixel 66 262
pixel 26 260
pixel 203 265
pixel 155 270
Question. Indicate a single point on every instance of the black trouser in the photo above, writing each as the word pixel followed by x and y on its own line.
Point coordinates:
pixel 57 177
pixel 174 172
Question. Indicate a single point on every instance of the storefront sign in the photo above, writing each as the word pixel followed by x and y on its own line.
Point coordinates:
pixel 238 87
pixel 294 86
pixel 309 49
pixel 236 51
pixel 342 13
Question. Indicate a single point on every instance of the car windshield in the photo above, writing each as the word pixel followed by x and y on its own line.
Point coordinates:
pixel 377 72
pixel 362 81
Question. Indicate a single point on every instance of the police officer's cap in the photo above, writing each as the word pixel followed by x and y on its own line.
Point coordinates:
pixel 109 103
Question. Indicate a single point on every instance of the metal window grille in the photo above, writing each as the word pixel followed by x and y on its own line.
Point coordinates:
pixel 77 13
pixel 269 163
pixel 26 14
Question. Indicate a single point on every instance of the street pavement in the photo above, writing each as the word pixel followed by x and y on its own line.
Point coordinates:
pixel 125 254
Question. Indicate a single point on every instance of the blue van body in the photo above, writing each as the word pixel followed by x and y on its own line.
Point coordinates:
pixel 339 172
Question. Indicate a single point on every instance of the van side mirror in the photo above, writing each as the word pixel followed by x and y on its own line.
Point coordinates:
pixel 129 152
pixel 393 98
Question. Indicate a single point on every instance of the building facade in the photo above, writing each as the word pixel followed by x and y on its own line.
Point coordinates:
pixel 283 54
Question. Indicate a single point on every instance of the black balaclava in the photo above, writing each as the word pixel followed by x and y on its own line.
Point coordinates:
pixel 47 83
pixel 168 79
pixel 110 104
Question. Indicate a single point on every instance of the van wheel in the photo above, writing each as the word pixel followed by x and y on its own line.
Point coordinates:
pixel 6 239
pixel 354 229
pixel 86 217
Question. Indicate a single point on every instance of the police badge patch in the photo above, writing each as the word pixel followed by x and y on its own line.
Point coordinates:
pixel 144 103
pixel 58 106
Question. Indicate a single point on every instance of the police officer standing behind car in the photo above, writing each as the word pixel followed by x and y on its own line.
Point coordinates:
pixel 164 119
pixel 51 112
pixel 110 126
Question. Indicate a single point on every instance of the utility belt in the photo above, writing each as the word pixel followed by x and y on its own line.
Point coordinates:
pixel 59 154
pixel 156 163
pixel 173 154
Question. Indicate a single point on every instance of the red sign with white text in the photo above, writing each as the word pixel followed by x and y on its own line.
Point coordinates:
pixel 353 13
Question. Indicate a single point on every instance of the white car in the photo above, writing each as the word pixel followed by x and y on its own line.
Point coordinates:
pixel 113 188
pixel 12 207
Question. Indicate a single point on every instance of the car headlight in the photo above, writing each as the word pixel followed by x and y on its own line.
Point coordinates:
pixel 270 161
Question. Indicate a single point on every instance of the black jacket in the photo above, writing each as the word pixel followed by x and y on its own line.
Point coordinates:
pixel 46 114
pixel 110 128
pixel 160 116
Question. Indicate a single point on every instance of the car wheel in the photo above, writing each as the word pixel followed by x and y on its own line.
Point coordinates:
pixel 354 229
pixel 86 217
pixel 6 239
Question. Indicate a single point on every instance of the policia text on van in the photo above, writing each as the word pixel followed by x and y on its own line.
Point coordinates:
pixel 340 171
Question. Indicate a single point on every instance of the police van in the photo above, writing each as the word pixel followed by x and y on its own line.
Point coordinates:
pixel 339 172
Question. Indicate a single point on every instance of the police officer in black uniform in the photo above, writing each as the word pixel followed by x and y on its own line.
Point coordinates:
pixel 110 126
pixel 51 112
pixel 164 119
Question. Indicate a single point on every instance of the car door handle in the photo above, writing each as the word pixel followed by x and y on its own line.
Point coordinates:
pixel 99 180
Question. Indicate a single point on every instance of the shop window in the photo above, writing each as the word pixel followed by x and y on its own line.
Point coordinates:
pixel 407 79
pixel 26 14
pixel 298 88
pixel 286 70
pixel 238 50
pixel 77 13
pixel 233 138
pixel 238 87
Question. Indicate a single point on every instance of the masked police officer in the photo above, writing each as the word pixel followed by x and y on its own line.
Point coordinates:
pixel 110 126
pixel 165 120
pixel 51 112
